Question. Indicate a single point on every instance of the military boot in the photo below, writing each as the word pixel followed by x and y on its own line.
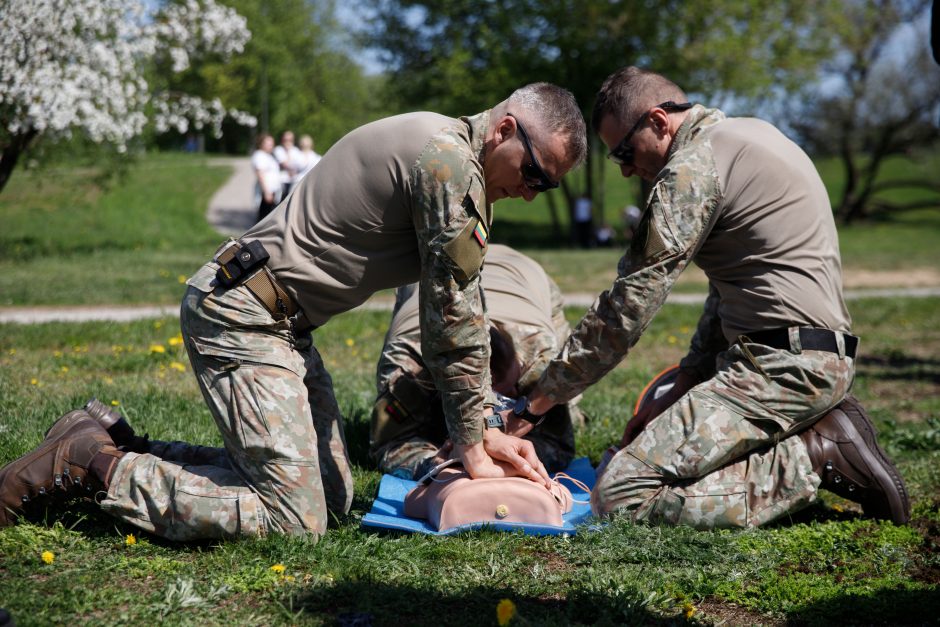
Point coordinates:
pixel 844 451
pixel 60 467
pixel 115 424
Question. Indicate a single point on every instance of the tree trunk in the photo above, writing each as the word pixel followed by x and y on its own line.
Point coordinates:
pixel 11 154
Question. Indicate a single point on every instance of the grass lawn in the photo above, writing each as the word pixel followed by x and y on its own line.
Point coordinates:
pixel 67 242
pixel 829 565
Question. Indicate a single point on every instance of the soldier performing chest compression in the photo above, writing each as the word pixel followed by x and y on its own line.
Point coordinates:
pixel 402 199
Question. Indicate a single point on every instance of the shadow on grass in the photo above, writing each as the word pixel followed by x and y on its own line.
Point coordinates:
pixel 885 607
pixel 899 367
pixel 367 602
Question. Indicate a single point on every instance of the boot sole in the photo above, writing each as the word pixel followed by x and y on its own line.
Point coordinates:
pixel 858 426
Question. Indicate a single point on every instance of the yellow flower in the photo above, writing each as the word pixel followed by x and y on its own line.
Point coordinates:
pixel 56 353
pixel 109 380
pixel 838 508
pixel 350 341
pixel 115 403
pixel 672 339
pixel 48 557
pixel 181 278
pixel 505 611
pixel 175 341
pixel 130 539
pixel 175 365
pixel 688 610
pixel 64 369
pixel 157 348
pixel 278 568
pixel 159 323
pixel 12 351
pixel 34 381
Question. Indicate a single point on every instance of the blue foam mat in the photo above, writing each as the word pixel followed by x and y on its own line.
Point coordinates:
pixel 388 508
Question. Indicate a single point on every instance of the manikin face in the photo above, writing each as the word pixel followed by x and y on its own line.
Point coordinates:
pixel 516 168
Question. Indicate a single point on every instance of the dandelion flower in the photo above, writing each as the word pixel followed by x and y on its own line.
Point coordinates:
pixel 175 365
pixel 158 324
pixel 48 557
pixel 64 369
pixel 838 508
pixel 130 539
pixel 505 611
pixel 56 354
pixel 350 341
pixel 115 403
pixel 175 341
pixel 181 279
pixel 672 339
pixel 157 348
pixel 34 381
pixel 688 610
pixel 278 568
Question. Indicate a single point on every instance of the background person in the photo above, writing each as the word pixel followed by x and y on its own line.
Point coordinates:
pixel 349 230
pixel 307 158
pixel 288 156
pixel 267 175
pixel 526 313
pixel 730 445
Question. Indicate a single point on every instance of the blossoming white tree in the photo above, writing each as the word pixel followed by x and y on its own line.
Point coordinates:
pixel 79 65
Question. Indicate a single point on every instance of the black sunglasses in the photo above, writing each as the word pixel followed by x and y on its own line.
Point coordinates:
pixel 532 173
pixel 623 153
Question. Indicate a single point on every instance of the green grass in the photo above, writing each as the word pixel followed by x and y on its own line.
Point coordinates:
pixel 68 241
pixel 828 565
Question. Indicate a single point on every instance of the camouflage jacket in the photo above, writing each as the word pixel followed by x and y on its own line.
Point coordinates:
pixel 678 216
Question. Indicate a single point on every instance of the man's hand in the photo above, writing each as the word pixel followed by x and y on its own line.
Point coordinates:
pixel 684 382
pixel 501 455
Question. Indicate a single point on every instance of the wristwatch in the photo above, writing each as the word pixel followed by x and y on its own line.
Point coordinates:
pixel 495 421
pixel 520 409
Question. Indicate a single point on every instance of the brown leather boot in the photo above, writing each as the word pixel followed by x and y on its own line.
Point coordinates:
pixel 57 468
pixel 844 450
pixel 116 425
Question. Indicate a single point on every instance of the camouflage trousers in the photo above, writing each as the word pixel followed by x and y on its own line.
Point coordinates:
pixel 284 463
pixel 405 445
pixel 725 454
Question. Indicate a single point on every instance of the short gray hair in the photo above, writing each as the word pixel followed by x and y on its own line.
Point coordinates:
pixel 631 91
pixel 555 110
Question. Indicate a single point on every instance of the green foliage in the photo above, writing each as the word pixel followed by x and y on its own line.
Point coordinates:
pixel 295 73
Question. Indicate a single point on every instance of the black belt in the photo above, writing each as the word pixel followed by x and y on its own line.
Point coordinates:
pixel 810 340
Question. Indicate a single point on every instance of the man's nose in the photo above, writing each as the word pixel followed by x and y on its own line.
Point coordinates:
pixel 627 171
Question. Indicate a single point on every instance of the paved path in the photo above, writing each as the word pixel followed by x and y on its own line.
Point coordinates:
pixel 232 210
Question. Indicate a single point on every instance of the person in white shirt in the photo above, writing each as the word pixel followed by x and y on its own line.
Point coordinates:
pixel 268 174
pixel 287 155
pixel 308 157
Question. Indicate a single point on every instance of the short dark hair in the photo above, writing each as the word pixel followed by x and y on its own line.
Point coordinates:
pixel 630 91
pixel 502 353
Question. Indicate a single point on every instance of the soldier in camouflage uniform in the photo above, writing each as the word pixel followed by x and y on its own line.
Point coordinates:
pixel 527 327
pixel 772 353
pixel 402 199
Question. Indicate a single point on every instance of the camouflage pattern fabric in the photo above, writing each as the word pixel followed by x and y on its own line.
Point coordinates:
pixel 724 455
pixel 408 424
pixel 273 403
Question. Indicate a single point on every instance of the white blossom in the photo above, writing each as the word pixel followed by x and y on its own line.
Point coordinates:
pixel 70 65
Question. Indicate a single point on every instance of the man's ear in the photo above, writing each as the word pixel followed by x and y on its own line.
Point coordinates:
pixel 660 120
pixel 505 129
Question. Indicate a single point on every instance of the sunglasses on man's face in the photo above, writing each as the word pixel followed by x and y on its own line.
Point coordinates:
pixel 533 175
pixel 623 153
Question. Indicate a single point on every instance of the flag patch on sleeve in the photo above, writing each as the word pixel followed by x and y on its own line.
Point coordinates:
pixel 480 234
